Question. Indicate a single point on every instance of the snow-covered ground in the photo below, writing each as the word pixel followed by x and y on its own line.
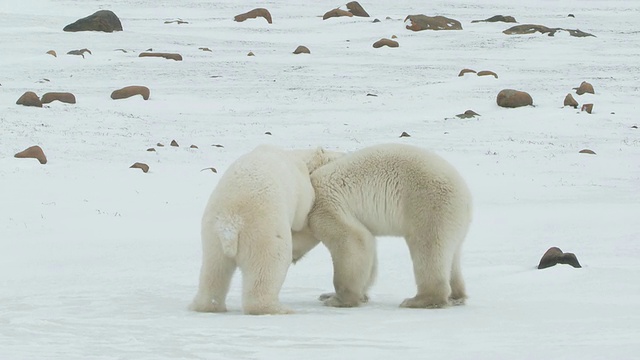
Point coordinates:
pixel 99 261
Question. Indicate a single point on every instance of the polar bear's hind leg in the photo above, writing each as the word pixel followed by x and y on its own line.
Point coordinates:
pixel 215 277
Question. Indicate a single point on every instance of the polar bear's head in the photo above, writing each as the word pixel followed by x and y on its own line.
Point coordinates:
pixel 315 158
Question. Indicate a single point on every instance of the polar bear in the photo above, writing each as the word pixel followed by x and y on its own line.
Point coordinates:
pixel 247 223
pixel 390 190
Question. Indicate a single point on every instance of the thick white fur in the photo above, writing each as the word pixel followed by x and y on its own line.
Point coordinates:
pixel 247 223
pixel 390 190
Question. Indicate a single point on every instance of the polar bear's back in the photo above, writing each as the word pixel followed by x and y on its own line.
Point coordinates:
pixel 385 185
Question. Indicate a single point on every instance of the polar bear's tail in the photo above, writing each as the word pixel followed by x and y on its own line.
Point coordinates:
pixel 228 228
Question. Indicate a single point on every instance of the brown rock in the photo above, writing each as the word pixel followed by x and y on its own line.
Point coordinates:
pixel 79 52
pixel 513 98
pixel 587 107
pixel 530 29
pixel 177 21
pixel 587 151
pixel 193 147
pixel 144 167
pixel 129 91
pixel 218 145
pixel 33 152
pixel 259 12
pixel 570 101
pixel 497 18
pixel 385 42
pixel 394 37
pixel 65 97
pixel 464 71
pixel 486 73
pixel 584 87
pixel 205 49
pixel 160 145
pixel 555 256
pixel 210 168
pixel 29 98
pixel 302 50
pixel 423 22
pixel 405 134
pixel 268 133
pixel 170 56
pixel 251 54
pixel 468 114
pixel 174 143
pixel 151 149
pixel 336 13
pixel 103 20
pixel 356 9
pixel 52 52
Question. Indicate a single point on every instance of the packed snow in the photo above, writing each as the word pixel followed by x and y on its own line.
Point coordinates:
pixel 99 261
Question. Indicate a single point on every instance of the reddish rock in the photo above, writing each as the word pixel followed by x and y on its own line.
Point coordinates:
pixel 356 9
pixel 587 107
pixel 33 152
pixel 302 50
pixel 169 56
pixel 259 12
pixel 193 147
pixel 336 13
pixel 423 22
pixel 510 98
pixel 174 143
pixel 487 73
pixel 29 98
pixel 385 42
pixel 570 101
pixel 52 53
pixel 585 87
pixel 129 91
pixel 587 151
pixel 65 97
pixel 144 167
pixel 465 71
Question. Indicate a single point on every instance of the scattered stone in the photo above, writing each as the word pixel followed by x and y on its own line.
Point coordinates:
pixel 103 20
pixel 404 134
pixel 129 91
pixel 486 73
pixel 52 52
pixel 205 49
pixel 268 133
pixel 388 18
pixel 79 52
pixel 210 168
pixel 174 143
pixel 555 256
pixel 29 98
pixel 376 21
pixel 634 126
pixel 160 145
pixel 251 54
pixel 65 97
pixel 177 21
pixel 302 50
pixel 587 107
pixel 259 12
pixel 33 152
pixel 468 114
pixel 336 13
pixel 142 166
pixel 530 29
pixel 464 71
pixel 385 42
pixel 218 145
pixel 43 80
pixel 497 18
pixel 510 98
pixel 423 22
pixel 123 50
pixel 394 37
pixel 584 87
pixel 193 147
pixel 356 9
pixel 570 101
pixel 170 56
pixel 571 15
pixel 587 151
pixel 374 95
pixel 151 149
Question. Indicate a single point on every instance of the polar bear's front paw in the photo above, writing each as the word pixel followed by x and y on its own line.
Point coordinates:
pixel 424 302
pixel 202 306
pixel 334 300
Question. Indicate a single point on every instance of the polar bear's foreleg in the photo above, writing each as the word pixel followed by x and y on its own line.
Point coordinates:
pixel 432 266
pixel 215 277
pixel 352 249
pixel 264 270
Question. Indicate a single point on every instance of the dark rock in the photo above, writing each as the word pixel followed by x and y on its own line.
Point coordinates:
pixel 385 42
pixel 356 9
pixel 29 98
pixel 555 256
pixel 498 18
pixel 65 97
pixel 530 29
pixel 259 12
pixel 302 50
pixel 513 98
pixel 464 71
pixel 468 114
pixel 103 20
pixel 423 22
